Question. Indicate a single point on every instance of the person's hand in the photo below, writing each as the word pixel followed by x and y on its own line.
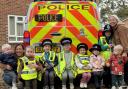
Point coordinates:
pixel 107 64
pixel 8 67
pixel 124 54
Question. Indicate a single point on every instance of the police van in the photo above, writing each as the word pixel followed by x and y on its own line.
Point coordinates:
pixel 54 20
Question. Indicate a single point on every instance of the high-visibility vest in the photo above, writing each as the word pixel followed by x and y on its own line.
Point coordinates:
pixel 27 72
pixel 105 53
pixel 62 64
pixel 83 59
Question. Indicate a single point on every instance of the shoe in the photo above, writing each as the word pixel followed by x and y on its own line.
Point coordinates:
pixel 81 85
pixel 64 87
pixel 120 87
pixel 113 87
pixel 85 85
pixel 71 86
pixel 14 86
pixel 46 87
pixel 51 87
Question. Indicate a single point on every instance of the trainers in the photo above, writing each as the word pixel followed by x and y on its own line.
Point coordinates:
pixel 71 86
pixel 120 87
pixel 64 87
pixel 14 86
pixel 51 87
pixel 81 85
pixel 85 85
pixel 46 87
pixel 113 87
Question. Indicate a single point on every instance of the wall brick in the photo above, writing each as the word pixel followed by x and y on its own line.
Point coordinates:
pixel 10 7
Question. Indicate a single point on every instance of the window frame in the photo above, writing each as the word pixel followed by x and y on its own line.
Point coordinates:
pixel 16 21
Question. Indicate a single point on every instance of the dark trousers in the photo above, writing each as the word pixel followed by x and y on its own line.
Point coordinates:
pixel 31 84
pixel 107 77
pixel 97 78
pixel 49 76
pixel 117 80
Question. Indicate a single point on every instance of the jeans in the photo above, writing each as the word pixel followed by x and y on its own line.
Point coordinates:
pixel 65 75
pixel 97 78
pixel 31 84
pixel 117 80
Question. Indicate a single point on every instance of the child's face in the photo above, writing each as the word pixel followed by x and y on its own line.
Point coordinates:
pixel 47 48
pixel 29 52
pixel 67 47
pixel 82 51
pixel 96 52
pixel 7 50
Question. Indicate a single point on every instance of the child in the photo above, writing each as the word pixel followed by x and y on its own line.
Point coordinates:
pixel 83 63
pixel 116 63
pixel 97 62
pixel 8 60
pixel 49 60
pixel 66 63
pixel 106 45
pixel 28 69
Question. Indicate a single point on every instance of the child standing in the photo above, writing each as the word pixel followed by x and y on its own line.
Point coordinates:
pixel 82 61
pixel 8 60
pixel 116 63
pixel 49 61
pixel 97 62
pixel 66 63
pixel 28 69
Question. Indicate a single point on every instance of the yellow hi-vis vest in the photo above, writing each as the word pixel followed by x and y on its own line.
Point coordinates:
pixel 51 59
pixel 84 60
pixel 62 65
pixel 106 54
pixel 27 72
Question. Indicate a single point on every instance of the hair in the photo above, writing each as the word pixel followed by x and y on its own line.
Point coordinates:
pixel 116 17
pixel 5 46
pixel 30 47
pixel 118 47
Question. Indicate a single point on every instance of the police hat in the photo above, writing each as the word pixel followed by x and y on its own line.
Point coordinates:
pixel 95 47
pixel 107 28
pixel 66 41
pixel 46 42
pixel 82 45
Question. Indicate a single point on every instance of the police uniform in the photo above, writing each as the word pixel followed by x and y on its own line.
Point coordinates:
pixel 105 42
pixel 66 65
pixel 49 61
pixel 83 60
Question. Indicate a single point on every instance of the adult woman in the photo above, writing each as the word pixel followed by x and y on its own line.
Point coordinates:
pixel 19 52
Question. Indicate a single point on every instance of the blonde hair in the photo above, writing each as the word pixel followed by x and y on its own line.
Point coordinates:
pixel 5 46
pixel 118 47
pixel 30 47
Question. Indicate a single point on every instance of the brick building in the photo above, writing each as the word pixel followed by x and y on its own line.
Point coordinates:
pixel 10 7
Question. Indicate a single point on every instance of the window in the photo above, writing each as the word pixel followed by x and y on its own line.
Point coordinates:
pixel 16 26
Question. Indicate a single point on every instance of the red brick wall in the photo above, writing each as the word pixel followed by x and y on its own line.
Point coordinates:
pixel 10 7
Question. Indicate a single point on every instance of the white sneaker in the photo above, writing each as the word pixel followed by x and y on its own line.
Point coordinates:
pixel 113 87
pixel 71 86
pixel 120 87
pixel 85 85
pixel 14 87
pixel 81 85
pixel 64 87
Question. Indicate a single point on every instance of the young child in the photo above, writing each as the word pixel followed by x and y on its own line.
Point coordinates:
pixel 97 62
pixel 28 68
pixel 49 61
pixel 105 42
pixel 66 63
pixel 82 61
pixel 116 63
pixel 8 60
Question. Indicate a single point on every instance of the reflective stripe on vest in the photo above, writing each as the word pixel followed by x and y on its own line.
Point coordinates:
pixel 84 59
pixel 27 72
